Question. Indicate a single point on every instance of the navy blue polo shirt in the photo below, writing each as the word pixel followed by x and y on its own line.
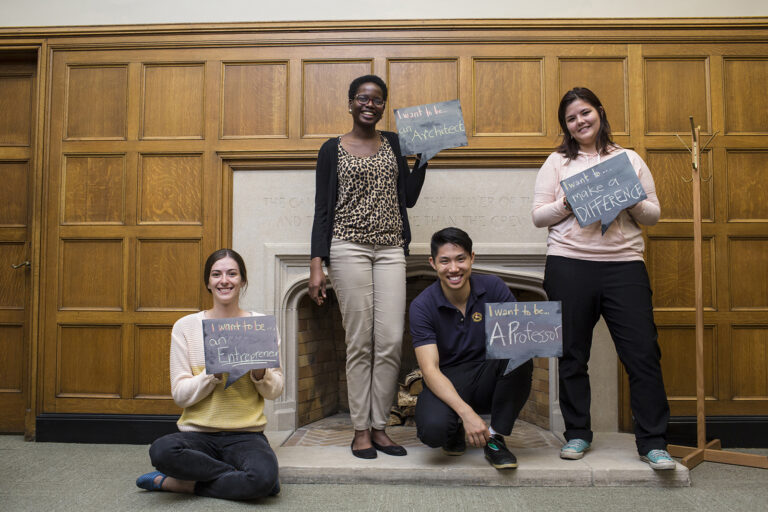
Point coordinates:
pixel 459 338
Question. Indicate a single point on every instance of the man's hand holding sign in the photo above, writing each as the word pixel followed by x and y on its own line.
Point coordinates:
pixel 237 345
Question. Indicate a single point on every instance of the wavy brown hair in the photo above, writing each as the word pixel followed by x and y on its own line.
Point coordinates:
pixel 569 148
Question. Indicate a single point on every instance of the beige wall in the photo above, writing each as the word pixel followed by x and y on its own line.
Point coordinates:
pixel 112 12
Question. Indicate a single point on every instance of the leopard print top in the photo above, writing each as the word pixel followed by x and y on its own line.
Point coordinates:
pixel 367 210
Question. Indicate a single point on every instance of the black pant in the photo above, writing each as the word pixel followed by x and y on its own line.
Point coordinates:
pixel 485 388
pixel 621 292
pixel 229 465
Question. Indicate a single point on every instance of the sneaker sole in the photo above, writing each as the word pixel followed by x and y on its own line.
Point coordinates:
pixel 508 465
pixel 659 465
pixel 569 455
pixel 453 453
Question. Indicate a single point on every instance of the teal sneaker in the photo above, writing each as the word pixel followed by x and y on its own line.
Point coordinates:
pixel 659 459
pixel 574 449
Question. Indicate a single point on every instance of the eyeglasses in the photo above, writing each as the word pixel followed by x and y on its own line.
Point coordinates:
pixel 363 99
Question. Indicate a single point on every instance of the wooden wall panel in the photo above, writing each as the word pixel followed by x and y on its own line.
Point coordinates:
pixel 417 81
pixel 680 373
pixel 169 274
pixel 325 95
pixel 670 168
pixel 519 83
pixel 152 371
pixel 749 364
pixel 173 101
pixel 670 265
pixel 15 110
pixel 255 100
pixel 746 103
pixel 91 274
pixel 14 192
pixel 97 102
pixel 746 173
pixel 94 189
pixel 12 289
pixel 607 78
pixel 11 354
pixel 90 361
pixel 749 272
pixel 171 189
pixel 674 90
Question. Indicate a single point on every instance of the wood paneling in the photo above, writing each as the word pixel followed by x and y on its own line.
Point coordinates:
pixel 15 110
pixel 674 90
pixel 750 362
pixel 12 281
pixel 96 102
pixel 11 353
pixel 173 101
pixel 325 95
pixel 255 100
pixel 747 185
pixel 171 189
pixel 607 78
pixel 680 373
pixel 153 375
pixel 671 169
pixel 169 275
pixel 416 82
pixel 91 274
pixel 746 103
pixel 670 265
pixel 749 272
pixel 509 98
pixel 89 361
pixel 14 193
pixel 94 189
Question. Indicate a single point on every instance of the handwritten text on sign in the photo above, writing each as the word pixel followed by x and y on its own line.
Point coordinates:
pixel 237 345
pixel 602 191
pixel 519 331
pixel 426 129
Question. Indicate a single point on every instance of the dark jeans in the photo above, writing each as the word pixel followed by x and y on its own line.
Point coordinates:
pixel 485 388
pixel 621 292
pixel 229 465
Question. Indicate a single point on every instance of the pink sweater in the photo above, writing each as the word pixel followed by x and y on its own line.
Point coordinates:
pixel 623 241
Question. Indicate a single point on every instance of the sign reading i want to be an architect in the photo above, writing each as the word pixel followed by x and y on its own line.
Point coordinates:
pixel 519 331
pixel 602 191
pixel 237 345
pixel 426 129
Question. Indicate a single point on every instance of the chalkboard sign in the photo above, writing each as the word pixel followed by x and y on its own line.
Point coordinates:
pixel 519 331
pixel 602 191
pixel 237 345
pixel 426 129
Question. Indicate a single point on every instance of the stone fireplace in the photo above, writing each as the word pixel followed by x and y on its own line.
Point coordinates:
pixel 271 224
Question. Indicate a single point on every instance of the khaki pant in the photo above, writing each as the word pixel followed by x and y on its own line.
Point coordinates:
pixel 369 281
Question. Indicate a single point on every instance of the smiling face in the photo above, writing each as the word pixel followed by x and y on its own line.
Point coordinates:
pixel 454 266
pixel 583 122
pixel 367 114
pixel 225 281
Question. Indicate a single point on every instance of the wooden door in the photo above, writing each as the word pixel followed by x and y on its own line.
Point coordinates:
pixel 17 93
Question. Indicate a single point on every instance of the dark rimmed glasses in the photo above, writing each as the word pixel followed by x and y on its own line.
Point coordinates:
pixel 363 99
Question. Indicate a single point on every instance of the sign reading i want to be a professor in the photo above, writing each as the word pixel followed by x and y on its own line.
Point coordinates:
pixel 519 331
pixel 237 345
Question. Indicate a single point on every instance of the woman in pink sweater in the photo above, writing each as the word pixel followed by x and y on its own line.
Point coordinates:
pixel 597 274
pixel 220 450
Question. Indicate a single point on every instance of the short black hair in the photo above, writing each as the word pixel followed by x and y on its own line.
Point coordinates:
pixel 357 82
pixel 220 255
pixel 450 235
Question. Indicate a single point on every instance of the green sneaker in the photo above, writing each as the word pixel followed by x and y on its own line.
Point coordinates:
pixel 497 454
pixel 659 459
pixel 574 449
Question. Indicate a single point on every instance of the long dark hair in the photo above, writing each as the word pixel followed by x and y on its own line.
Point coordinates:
pixel 569 148
pixel 220 255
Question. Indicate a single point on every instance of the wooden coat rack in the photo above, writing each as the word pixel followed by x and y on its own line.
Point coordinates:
pixel 704 451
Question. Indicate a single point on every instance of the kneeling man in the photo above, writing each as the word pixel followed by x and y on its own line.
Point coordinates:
pixel 448 333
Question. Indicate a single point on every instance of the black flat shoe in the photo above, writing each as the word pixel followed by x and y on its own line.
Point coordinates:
pixel 395 449
pixel 365 453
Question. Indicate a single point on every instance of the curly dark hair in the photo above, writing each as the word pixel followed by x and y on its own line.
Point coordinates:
pixel 357 82
pixel 569 148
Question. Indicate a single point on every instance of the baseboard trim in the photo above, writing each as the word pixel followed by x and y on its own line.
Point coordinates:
pixel 732 431
pixel 103 428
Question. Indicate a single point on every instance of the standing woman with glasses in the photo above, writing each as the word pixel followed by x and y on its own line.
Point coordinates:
pixel 361 232
pixel 597 274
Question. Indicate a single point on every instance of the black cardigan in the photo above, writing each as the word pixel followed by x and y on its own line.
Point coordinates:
pixel 326 192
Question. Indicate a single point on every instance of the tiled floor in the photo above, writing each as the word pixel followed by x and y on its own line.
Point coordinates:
pixel 337 431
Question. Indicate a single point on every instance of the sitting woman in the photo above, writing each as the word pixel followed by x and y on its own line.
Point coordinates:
pixel 221 450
